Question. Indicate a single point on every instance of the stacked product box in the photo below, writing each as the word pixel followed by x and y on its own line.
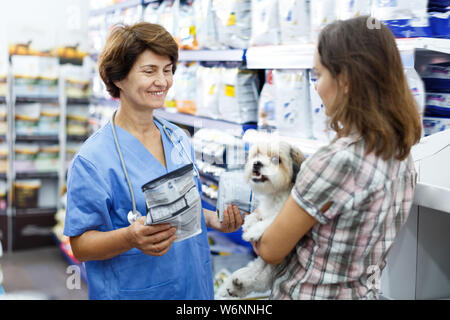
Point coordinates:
pixel 437 112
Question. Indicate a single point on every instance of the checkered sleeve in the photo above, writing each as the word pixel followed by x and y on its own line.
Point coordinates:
pixel 325 177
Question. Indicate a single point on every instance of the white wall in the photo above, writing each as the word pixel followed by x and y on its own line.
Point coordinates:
pixel 48 23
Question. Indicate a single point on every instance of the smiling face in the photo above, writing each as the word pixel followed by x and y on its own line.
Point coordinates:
pixel 148 81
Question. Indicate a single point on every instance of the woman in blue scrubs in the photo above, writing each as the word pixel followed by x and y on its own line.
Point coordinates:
pixel 136 261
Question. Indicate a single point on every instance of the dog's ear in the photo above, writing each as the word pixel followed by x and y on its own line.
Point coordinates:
pixel 297 159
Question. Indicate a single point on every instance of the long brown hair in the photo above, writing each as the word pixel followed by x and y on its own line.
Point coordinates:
pixel 379 103
pixel 125 44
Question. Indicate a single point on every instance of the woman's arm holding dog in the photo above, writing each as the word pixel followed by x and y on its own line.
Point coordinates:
pixel 290 225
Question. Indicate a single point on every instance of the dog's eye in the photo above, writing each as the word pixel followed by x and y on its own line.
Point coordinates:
pixel 275 160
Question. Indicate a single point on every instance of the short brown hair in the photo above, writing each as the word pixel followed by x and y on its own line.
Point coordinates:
pixel 125 44
pixel 379 103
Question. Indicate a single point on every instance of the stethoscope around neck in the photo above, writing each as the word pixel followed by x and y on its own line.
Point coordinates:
pixel 135 214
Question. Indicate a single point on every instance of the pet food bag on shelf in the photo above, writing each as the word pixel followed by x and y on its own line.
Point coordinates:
pixel 3 119
pixel 405 18
pixel 4 157
pixel 347 9
pixel 323 12
pixel 186 26
pixel 292 106
pixel 26 193
pixel 265 27
pixel 295 23
pixel 27 118
pixel 266 106
pixel 205 25
pixel 186 88
pixel 208 86
pixel 233 20
pixel 25 156
pixel 233 189
pixel 47 158
pixel 49 120
pixel 238 100
pixel 320 130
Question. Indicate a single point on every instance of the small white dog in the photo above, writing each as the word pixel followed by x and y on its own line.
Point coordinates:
pixel 271 169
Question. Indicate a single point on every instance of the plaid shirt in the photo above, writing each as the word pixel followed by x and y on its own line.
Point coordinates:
pixel 371 199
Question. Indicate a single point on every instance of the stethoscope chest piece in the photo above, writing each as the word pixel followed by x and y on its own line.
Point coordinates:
pixel 133 216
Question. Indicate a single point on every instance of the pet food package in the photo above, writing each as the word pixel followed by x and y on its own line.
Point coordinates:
pixel 185 87
pixel 432 125
pixel 25 156
pixel 405 18
pixel 27 118
pixel 150 13
pixel 320 130
pixel 292 106
pixel 295 21
pixel 208 86
pixel 233 189
pixel 205 25
pixel 238 99
pixel 265 27
pixel 323 12
pixel 347 9
pixel 417 87
pixel 186 26
pixel 233 19
pixel 49 120
pixel 3 119
pixel 266 105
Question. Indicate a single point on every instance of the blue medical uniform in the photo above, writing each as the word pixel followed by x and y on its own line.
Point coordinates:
pixel 98 198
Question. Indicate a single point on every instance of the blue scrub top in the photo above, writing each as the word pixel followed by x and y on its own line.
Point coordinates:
pixel 98 198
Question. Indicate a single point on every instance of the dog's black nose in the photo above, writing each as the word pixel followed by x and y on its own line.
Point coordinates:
pixel 257 166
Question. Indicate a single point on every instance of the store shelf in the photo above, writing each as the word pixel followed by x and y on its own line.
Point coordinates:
pixel 71 101
pixel 302 56
pixel 31 99
pixel 36 175
pixel 37 211
pixel 212 55
pixel 118 6
pixel 37 138
pixel 235 129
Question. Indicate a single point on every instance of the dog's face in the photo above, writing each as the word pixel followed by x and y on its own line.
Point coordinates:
pixel 272 166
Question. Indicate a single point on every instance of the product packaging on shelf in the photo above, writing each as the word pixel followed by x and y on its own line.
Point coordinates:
pixel 292 106
pixel 25 157
pixel 238 98
pixel 27 118
pixel 205 25
pixel 47 159
pixel 4 158
pixel 266 108
pixel 320 129
pixel 3 120
pixel 49 120
pixel 323 12
pixel 208 86
pixel 26 193
pixel 405 18
pixel 265 26
pixel 437 111
pixel 233 22
pixel 295 21
pixel 185 87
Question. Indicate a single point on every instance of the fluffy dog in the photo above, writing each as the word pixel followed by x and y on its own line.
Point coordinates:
pixel 271 169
